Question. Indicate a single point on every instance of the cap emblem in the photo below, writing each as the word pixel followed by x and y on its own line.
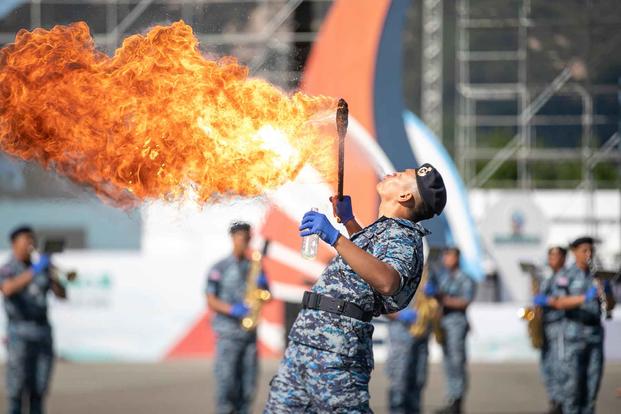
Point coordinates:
pixel 423 171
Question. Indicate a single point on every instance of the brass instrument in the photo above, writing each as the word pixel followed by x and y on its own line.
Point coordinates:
pixel 533 315
pixel 428 311
pixel 255 297
pixel 58 274
pixel 55 246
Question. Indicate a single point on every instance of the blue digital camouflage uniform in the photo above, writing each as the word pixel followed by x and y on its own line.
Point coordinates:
pixel 584 348
pixel 328 363
pixel 455 328
pixel 406 367
pixel 236 362
pixel 555 285
pixel 30 355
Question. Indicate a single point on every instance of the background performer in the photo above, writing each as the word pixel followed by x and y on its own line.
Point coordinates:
pixel 406 364
pixel 236 348
pixel 30 359
pixel 554 284
pixel 455 291
pixel 583 358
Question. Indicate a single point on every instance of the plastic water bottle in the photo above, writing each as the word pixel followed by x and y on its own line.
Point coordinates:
pixel 310 244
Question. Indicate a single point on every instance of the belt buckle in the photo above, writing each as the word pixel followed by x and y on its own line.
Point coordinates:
pixel 340 305
pixel 313 300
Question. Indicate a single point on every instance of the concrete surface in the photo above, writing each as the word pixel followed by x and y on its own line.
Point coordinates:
pixel 181 387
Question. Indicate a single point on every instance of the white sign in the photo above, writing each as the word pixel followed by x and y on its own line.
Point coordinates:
pixel 515 229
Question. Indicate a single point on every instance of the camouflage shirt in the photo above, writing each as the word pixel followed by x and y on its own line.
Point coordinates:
pixel 556 285
pixel 227 281
pixel 397 242
pixel 582 323
pixel 455 284
pixel 26 310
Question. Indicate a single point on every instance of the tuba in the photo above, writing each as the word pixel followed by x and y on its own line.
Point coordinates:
pixel 428 312
pixel 533 315
pixel 255 297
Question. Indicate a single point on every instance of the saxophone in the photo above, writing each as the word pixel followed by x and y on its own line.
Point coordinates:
pixel 255 297
pixel 428 312
pixel 533 315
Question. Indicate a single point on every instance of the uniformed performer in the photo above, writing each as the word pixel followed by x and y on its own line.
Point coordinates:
pixel 25 285
pixel 406 365
pixel 553 284
pixel 327 365
pixel 236 361
pixel 455 290
pixel 583 333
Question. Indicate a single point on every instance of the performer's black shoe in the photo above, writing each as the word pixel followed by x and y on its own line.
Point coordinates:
pixel 454 407
pixel 555 408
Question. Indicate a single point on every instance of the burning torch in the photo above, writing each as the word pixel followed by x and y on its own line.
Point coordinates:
pixel 342 118
pixel 310 243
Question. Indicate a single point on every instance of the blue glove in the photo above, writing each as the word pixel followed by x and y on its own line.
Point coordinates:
pixel 591 294
pixel 317 223
pixel 541 300
pixel 430 289
pixel 407 316
pixel 262 282
pixel 342 208
pixel 41 265
pixel 239 310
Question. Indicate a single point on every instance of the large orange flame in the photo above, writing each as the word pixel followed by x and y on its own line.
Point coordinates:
pixel 157 120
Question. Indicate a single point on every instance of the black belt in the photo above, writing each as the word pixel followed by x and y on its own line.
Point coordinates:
pixel 325 303
pixel 586 319
pixel 37 321
pixel 446 311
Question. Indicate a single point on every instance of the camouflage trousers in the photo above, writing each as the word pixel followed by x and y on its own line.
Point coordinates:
pixel 584 366
pixel 236 368
pixel 28 371
pixel 551 366
pixel 406 368
pixel 455 328
pixel 310 380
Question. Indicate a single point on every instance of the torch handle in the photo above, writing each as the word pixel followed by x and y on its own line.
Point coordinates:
pixel 342 119
pixel 341 167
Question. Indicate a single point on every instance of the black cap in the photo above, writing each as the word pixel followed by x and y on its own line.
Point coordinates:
pixel 582 240
pixel 239 226
pixel 20 230
pixel 431 188
pixel 561 249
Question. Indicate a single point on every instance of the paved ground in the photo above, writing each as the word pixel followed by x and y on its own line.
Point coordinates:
pixel 187 387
